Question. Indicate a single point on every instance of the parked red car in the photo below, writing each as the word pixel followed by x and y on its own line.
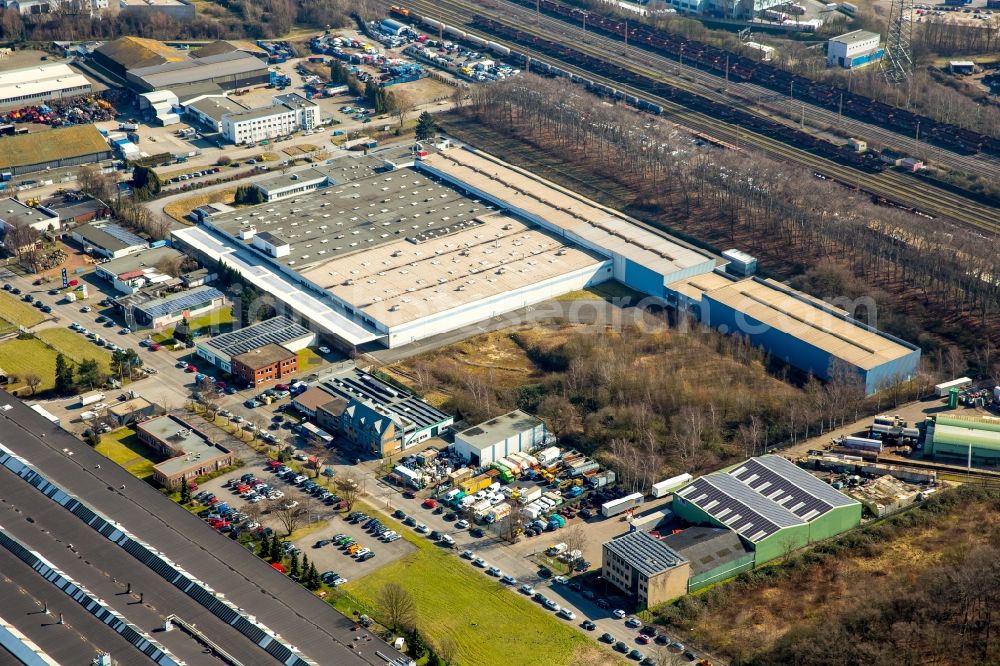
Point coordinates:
pixel 429 504
pixel 154 346
pixel 190 368
pixel 281 387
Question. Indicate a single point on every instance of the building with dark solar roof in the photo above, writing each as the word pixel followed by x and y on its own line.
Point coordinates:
pixel 646 568
pixel 370 413
pixel 219 350
pixel 97 562
pixel 163 311
pixel 773 505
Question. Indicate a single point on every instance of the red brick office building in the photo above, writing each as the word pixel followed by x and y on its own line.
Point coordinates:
pixel 265 364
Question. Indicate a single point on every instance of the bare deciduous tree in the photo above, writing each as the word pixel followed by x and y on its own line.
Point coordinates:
pixel 397 607
pixel 348 487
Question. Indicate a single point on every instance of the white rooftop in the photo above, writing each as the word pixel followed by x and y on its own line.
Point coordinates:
pixel 39 79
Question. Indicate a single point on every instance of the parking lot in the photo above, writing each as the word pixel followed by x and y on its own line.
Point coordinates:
pixel 333 557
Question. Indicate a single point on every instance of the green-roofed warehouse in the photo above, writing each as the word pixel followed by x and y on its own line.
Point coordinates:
pixel 52 149
pixel 955 437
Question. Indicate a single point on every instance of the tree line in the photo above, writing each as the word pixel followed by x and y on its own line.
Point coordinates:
pixel 924 274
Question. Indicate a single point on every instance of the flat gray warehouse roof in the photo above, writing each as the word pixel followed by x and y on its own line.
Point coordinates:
pixel 79 483
pixel 357 214
pixel 495 430
pixel 170 74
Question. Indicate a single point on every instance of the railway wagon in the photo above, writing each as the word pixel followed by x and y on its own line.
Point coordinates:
pixel 835 98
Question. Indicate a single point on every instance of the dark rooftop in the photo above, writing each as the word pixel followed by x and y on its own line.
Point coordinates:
pixel 645 553
pixel 276 330
pixel 70 492
pixel 707 547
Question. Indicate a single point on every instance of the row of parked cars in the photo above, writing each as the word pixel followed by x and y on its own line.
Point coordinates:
pixel 307 485
pixel 252 489
pixel 194 174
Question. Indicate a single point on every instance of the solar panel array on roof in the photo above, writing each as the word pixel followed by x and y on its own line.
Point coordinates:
pixel 358 385
pixel 277 330
pixel 647 554
pixel 738 507
pixel 785 484
pixel 124 235
pixel 188 300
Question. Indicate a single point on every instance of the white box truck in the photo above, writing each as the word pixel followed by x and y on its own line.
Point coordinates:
pixel 664 487
pixel 614 507
pixel 91 398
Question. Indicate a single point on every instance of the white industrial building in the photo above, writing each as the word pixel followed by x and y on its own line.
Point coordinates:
pixel 853 49
pixel 436 256
pixel 209 110
pixel 286 115
pixel 497 438
pixel 34 85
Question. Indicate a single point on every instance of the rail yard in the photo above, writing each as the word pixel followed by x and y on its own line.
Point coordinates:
pixel 531 45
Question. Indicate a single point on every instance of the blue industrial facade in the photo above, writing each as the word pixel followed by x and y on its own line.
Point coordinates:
pixel 802 354
pixel 644 279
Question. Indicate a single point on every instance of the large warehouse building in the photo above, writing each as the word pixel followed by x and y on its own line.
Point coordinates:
pixel 772 504
pixel 34 85
pixel 227 70
pixel 96 561
pixel 964 439
pixel 458 237
pixel 52 149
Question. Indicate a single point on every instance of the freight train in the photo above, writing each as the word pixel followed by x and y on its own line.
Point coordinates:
pixel 741 68
pixel 868 161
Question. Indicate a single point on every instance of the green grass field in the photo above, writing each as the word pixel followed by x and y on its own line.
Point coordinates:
pixel 75 346
pixel 17 313
pixel 483 617
pixel 124 448
pixel 22 357
pixel 213 323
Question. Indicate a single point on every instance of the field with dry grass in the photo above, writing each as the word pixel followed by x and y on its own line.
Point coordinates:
pixel 756 617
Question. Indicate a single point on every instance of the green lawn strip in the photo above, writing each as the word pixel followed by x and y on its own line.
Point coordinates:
pixel 75 346
pixel 220 321
pixel 18 312
pixel 124 448
pixel 457 600
pixel 19 358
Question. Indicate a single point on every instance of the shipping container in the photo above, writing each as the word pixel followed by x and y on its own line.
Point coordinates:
pixel 499 512
pixel 412 478
pixel 606 478
pixel 664 487
pixel 475 484
pixel 860 444
pixel 529 495
pixel 942 389
pixel 614 507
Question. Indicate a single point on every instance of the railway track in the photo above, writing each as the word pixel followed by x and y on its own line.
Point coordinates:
pixel 763 98
pixel 892 186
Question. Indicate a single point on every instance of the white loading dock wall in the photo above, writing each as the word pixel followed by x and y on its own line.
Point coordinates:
pixel 499 437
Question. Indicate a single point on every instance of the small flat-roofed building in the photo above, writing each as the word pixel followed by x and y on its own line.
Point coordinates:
pixel 16 215
pixel 190 452
pixel 175 9
pixel 108 240
pixel 853 49
pixel 132 410
pixel 281 186
pixel 132 272
pixel 210 109
pixel 271 244
pixel 312 399
pixel 77 208
pixel 715 554
pixel 219 350
pixel 498 437
pixel 160 312
pixel 265 364
pixel 40 83
pixel 645 568
pixel 808 333
pixel 52 149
